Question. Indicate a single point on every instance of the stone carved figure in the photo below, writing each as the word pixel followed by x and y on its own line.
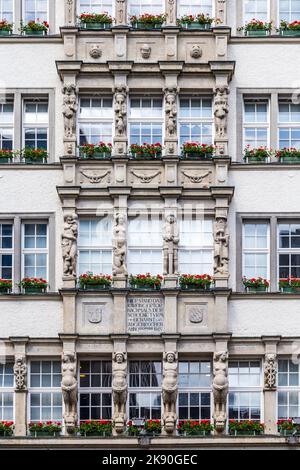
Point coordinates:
pixel 270 371
pixel 119 245
pixel 221 111
pixel 70 19
pixel 70 108
pixel 171 11
pixel 69 389
pixel 171 111
pixel 120 107
pixel 20 373
pixel 196 51
pixel 170 246
pixel 221 6
pixel 121 12
pixel 69 244
pixel 95 51
pixel 221 239
pixel 145 51
pixel 220 388
pixel 119 389
pixel 169 390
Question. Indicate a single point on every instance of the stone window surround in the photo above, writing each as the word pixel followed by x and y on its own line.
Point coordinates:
pixel 17 220
pixel 18 9
pixel 18 95
pixel 273 13
pixel 273 95
pixel 273 220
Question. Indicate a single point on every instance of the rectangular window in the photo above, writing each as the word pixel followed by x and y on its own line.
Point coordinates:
pixel 95 245
pixel 95 120
pixel 193 7
pixel 256 123
pixel 195 254
pixel 7 10
pixel 195 120
pixel 45 397
pixel 35 124
pixel 95 6
pixel 95 398
pixel 6 392
pixel 289 10
pixel 139 7
pixel 256 250
pixel 194 386
pixel 145 389
pixel 6 251
pixel 35 250
pixel 145 245
pixel 245 390
pixel 289 125
pixel 255 9
pixel 289 250
pixel 35 10
pixel 146 120
pixel 288 389
pixel 7 125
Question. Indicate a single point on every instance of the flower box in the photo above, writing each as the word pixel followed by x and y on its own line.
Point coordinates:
pixel 5 290
pixel 96 434
pixel 198 156
pixel 245 428
pixel 33 285
pixel 40 434
pixel 289 290
pixel 4 160
pixel 35 28
pixel 253 284
pixel 257 32
pixel 145 156
pixel 291 159
pixel 34 290
pixel 147 21
pixel 95 26
pixel 6 428
pixel 196 25
pixel 197 151
pixel 35 33
pixel 95 151
pixel 141 25
pixel 256 159
pixel 5 32
pixel 102 428
pixel 145 281
pixel 246 433
pixel 191 427
pixel 31 160
pixel 89 281
pixel 257 289
pixel 146 151
pixel 257 155
pixel 195 281
pixel 94 287
pixel 95 155
pixel 144 287
pixel 290 32
pixel 152 427
pixel 47 429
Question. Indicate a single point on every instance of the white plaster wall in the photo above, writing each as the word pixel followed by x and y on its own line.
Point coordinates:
pixel 37 319
pixel 256 317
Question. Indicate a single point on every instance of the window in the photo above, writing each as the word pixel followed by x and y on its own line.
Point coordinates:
pixel 6 251
pixel 245 391
pixel 255 9
pixel 95 398
pixel 256 250
pixel 139 7
pixel 95 6
pixel 35 9
pixel 256 123
pixel 145 244
pixel 35 250
pixel 145 389
pixel 195 254
pixel 7 10
pixel 193 7
pixel 6 392
pixel 35 125
pixel 45 397
pixel 288 389
pixel 194 386
pixel 289 10
pixel 95 120
pixel 146 121
pixel 95 245
pixel 289 124
pixel 195 120
pixel 289 250
pixel 6 125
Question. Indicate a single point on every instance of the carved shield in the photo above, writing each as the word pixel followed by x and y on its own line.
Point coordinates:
pixel 196 315
pixel 94 314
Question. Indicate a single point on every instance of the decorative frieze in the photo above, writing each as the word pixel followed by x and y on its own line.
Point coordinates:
pixel 202 179
pixel 169 390
pixel 146 177
pixel 94 176
pixel 220 389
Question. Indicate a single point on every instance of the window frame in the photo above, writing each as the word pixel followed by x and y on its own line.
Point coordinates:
pixel 28 100
pixel 100 10
pixel 8 251
pixel 199 8
pixel 255 15
pixel 282 251
pixel 144 120
pixel 35 251
pixel 256 250
pixel 287 125
pixel 147 8
pixel 7 125
pixel 280 16
pixel 287 389
pixel 95 120
pixel 256 125
pixel 190 121
pixel 5 391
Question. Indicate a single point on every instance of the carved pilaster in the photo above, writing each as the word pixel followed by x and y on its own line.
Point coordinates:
pixel 170 390
pixel 69 248
pixel 220 389
pixel 171 120
pixel 69 389
pixel 70 17
pixel 221 116
pixel 270 371
pixel 221 244
pixel 121 12
pixel 119 244
pixel 170 246
pixel 70 107
pixel 20 373
pixel 120 110
pixel 171 12
pixel 119 390
pixel 221 10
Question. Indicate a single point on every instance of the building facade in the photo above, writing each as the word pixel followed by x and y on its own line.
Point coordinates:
pixel 73 354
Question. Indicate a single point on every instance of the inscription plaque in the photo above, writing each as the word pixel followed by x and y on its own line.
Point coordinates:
pixel 145 315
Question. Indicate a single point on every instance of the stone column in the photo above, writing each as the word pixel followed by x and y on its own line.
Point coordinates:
pixel 220 9
pixel 120 110
pixel 70 12
pixel 20 373
pixel 69 385
pixel 270 384
pixel 169 384
pixel 220 382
